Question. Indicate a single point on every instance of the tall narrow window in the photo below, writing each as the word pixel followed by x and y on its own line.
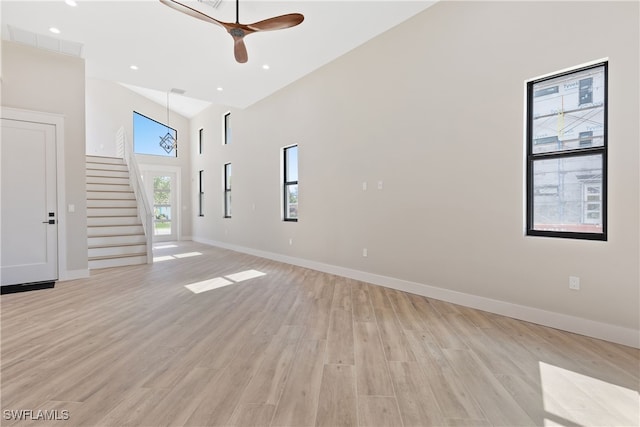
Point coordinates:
pixel 290 197
pixel 227 190
pixel 200 194
pixel 200 132
pixel 567 154
pixel 227 129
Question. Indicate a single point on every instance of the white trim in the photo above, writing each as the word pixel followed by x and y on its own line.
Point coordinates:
pixel 568 69
pixel 578 325
pixel 74 275
pixel 57 120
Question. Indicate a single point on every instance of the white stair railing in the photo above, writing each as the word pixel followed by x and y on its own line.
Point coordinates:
pixel 124 147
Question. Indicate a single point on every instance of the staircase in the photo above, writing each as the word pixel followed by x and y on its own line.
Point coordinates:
pixel 115 234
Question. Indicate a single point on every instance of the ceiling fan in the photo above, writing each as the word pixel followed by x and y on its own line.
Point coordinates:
pixel 237 30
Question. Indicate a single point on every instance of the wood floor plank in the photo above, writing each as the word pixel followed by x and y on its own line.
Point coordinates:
pixel 392 335
pixel 417 403
pixel 362 309
pixel 498 405
pixel 342 294
pixel 218 401
pixel 405 311
pixel 337 401
pixel 182 399
pixel 453 397
pixel 133 408
pixel 299 400
pixel 371 366
pixel 378 411
pixel 252 415
pixel 340 339
pixel 268 382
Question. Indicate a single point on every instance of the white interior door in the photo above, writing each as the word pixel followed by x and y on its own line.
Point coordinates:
pixel 29 230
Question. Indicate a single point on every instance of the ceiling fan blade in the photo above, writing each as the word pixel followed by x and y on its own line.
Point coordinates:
pixel 240 50
pixel 193 12
pixel 278 23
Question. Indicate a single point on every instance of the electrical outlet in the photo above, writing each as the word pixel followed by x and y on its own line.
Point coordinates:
pixel 574 283
pixel 364 252
pixel 290 241
pixel 380 185
pixel 364 185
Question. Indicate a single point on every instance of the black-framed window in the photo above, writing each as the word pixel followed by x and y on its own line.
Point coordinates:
pixel 200 135
pixel 153 138
pixel 227 129
pixel 201 193
pixel 567 154
pixel 227 190
pixel 290 196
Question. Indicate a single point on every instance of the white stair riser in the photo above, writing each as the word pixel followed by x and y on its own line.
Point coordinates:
pixel 111 203
pixel 116 240
pixel 115 234
pixel 114 230
pixel 110 195
pixel 100 159
pixel 94 173
pixel 101 212
pixel 113 220
pixel 121 180
pixel 108 187
pixel 117 262
pixel 106 167
pixel 118 250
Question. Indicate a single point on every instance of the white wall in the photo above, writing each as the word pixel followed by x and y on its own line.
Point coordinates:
pixel 434 108
pixel 110 106
pixel 37 80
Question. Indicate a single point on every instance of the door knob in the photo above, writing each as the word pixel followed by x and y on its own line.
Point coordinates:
pixel 51 221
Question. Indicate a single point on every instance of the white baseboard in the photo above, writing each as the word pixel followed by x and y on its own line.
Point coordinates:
pixel 578 325
pixel 73 275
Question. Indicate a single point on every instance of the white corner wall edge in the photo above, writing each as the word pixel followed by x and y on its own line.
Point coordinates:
pixel 578 325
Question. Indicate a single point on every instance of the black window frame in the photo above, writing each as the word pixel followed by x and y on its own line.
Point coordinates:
pixel 286 184
pixel 564 154
pixel 227 128
pixel 227 190
pixel 200 193
pixel 200 135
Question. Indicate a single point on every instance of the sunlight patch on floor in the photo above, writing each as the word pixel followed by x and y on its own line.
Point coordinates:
pixel 571 399
pixel 208 285
pixel 175 256
pixel 187 254
pixel 165 246
pixel 245 275
pixel 219 282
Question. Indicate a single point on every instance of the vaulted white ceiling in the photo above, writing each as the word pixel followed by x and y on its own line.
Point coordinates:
pixel 173 50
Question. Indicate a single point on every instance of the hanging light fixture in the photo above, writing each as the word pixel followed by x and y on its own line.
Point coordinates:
pixel 169 142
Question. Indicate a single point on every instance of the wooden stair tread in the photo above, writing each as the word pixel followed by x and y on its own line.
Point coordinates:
pixel 137 254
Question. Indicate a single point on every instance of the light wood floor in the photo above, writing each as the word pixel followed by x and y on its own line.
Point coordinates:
pixel 133 347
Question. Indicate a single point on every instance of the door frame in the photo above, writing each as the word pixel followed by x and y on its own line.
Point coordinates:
pixel 177 172
pixel 57 120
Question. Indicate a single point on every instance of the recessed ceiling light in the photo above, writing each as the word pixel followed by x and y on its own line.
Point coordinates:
pixel 219 89
pixel 265 67
pixel 71 3
pixel 54 30
pixel 134 67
